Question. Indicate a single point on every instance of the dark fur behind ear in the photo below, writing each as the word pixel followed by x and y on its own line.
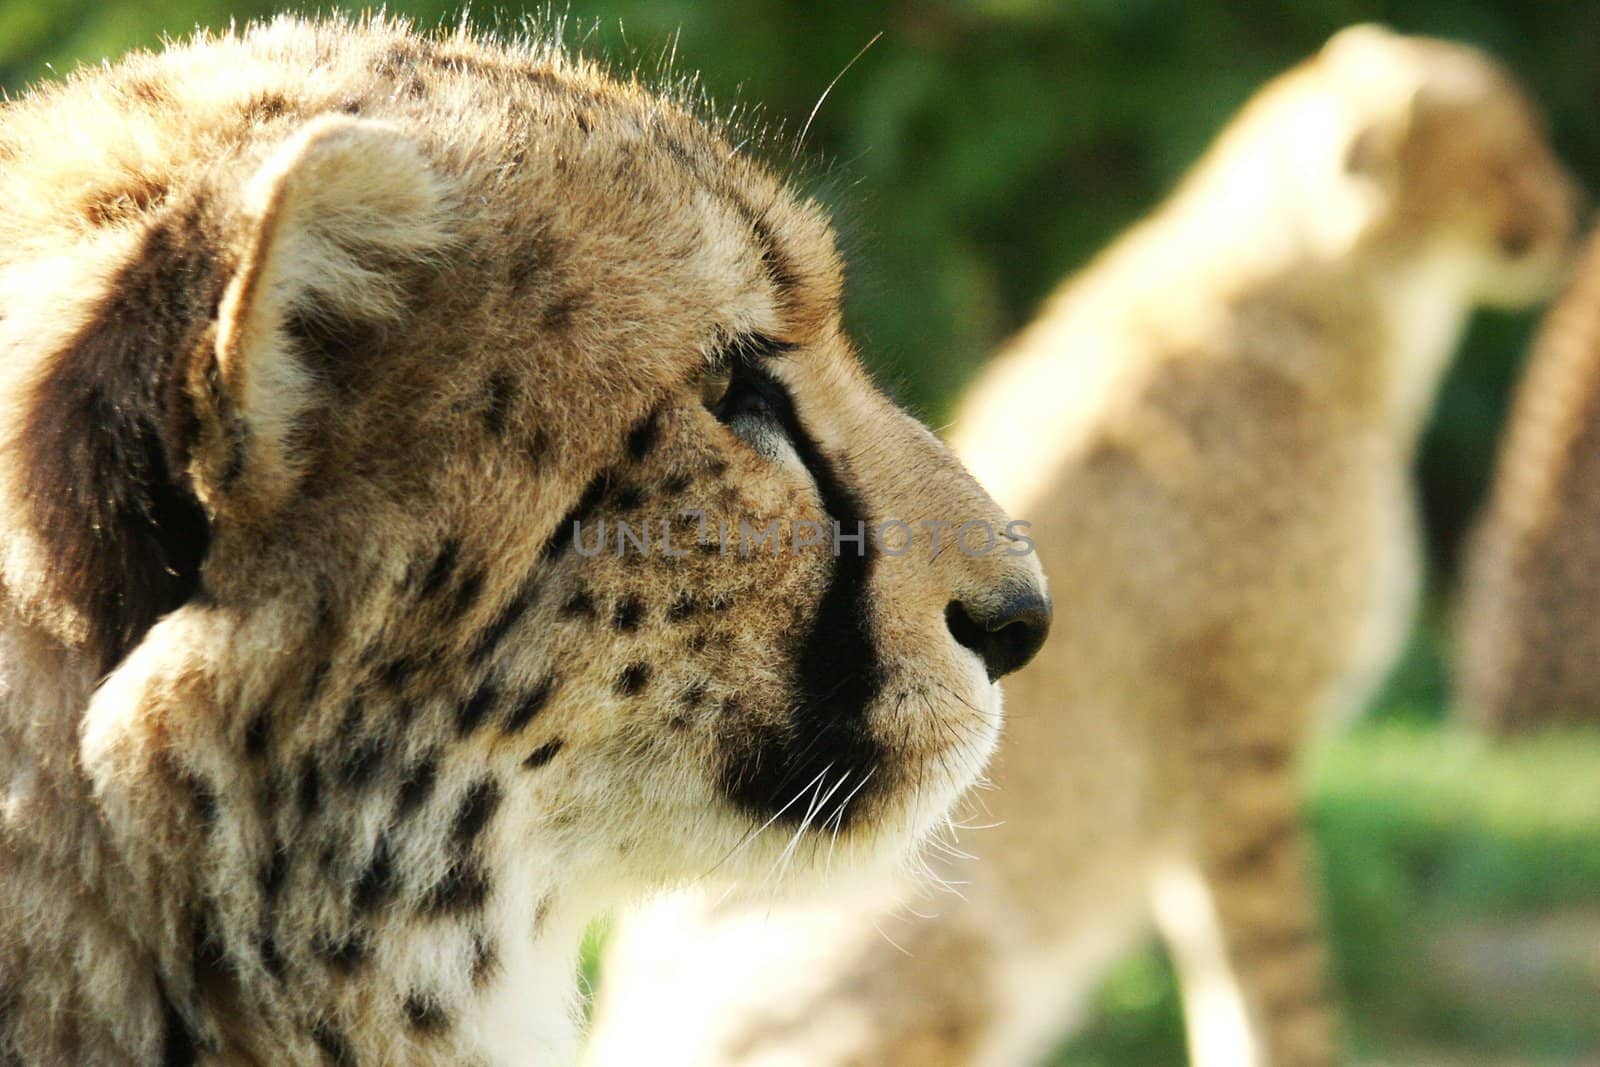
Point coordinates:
pixel 106 435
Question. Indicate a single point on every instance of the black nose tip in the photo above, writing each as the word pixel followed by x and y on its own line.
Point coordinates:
pixel 1005 634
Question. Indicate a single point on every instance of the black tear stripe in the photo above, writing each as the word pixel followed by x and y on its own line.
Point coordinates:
pixel 837 669
pixel 106 439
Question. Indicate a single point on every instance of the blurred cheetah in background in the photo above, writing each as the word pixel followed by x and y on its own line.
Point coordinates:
pixel 1529 617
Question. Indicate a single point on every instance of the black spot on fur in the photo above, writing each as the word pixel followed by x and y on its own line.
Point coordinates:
pixel 350 721
pixel 264 107
pixel 209 958
pixel 464 888
pixel 310 792
pixel 106 435
pixel 485 961
pixel 532 702
pixel 377 883
pixel 179 1047
pixel 628 613
pixel 478 806
pixel 317 679
pixel 398 64
pixel 361 762
pixel 418 784
pixel 561 536
pixel 334 1045
pixel 393 674
pixel 275 872
pixel 676 484
pixel 272 960
pixel 256 734
pixel 683 607
pixel 440 570
pixel 534 264
pixel 633 679
pixel 505 622
pixel 536 448
pixel 542 755
pixel 578 605
pixel 477 706
pixel 465 596
pixel 346 953
pixel 203 800
pixel 502 390
pixel 125 200
pixel 644 435
pixel 694 695
pixel 425 1014
pixel 559 313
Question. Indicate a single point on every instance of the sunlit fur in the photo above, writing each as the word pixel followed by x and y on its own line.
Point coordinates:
pixel 1212 429
pixel 320 740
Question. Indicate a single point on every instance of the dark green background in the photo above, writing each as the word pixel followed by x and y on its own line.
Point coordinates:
pixel 978 153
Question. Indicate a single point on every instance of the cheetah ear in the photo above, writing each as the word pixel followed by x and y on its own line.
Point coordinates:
pixel 342 222
pixel 1384 91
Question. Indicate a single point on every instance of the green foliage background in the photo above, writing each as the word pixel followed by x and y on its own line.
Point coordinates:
pixel 979 152
pixel 982 150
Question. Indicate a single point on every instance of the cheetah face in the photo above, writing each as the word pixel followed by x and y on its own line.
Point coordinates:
pixel 1463 159
pixel 463 508
pixel 740 587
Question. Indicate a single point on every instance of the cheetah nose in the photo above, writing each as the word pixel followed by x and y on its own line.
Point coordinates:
pixel 1005 630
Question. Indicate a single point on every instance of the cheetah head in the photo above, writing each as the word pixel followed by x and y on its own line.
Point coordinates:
pixel 1451 160
pixel 454 464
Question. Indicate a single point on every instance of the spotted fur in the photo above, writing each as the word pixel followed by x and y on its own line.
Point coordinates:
pixel 1529 648
pixel 321 736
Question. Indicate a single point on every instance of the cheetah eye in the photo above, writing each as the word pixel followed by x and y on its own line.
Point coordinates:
pixel 714 385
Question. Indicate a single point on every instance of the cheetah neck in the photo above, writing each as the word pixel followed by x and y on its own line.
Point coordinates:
pixel 98 883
